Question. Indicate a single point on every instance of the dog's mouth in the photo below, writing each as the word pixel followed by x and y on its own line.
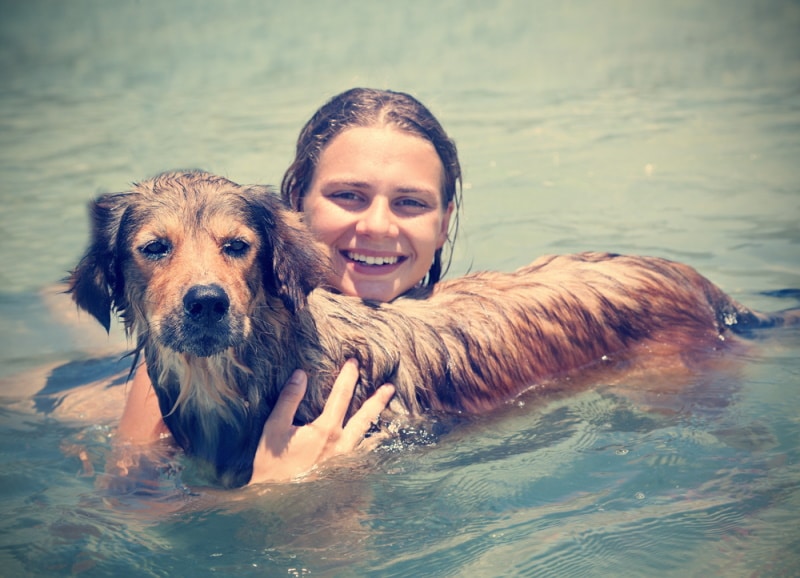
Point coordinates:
pixel 186 337
pixel 204 326
pixel 205 346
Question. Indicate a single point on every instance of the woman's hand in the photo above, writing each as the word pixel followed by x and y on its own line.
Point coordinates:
pixel 287 451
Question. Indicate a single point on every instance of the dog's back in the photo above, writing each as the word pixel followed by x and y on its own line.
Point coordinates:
pixel 478 341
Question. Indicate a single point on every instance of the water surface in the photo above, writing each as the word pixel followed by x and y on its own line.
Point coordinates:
pixel 639 127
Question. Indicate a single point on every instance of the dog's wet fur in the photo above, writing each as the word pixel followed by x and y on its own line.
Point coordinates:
pixel 225 290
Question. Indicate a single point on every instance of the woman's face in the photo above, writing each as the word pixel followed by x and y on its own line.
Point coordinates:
pixel 376 202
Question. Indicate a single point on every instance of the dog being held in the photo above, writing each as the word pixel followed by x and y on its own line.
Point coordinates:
pixel 225 290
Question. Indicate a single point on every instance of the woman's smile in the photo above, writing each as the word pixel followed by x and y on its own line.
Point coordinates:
pixel 371 260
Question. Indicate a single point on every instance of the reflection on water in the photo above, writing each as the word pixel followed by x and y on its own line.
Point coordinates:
pixel 631 126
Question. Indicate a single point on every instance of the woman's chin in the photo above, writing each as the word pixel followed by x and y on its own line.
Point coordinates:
pixel 372 289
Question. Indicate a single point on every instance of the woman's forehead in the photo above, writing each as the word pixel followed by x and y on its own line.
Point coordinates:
pixel 366 154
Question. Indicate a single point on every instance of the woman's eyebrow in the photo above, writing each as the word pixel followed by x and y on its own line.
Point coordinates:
pixel 412 188
pixel 346 183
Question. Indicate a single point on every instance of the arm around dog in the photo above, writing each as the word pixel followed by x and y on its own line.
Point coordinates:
pixel 285 451
pixel 141 421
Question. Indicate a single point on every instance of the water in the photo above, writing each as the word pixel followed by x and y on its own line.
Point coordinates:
pixel 641 127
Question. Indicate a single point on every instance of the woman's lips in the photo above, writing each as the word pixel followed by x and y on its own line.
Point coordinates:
pixel 364 263
pixel 372 259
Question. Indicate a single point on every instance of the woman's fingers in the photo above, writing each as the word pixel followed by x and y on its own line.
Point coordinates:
pixel 282 415
pixel 362 420
pixel 274 459
pixel 286 451
pixel 340 396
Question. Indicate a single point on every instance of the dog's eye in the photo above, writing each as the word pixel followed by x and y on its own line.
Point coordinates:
pixel 236 248
pixel 157 249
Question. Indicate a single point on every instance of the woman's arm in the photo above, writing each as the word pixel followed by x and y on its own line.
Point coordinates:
pixel 141 421
pixel 285 451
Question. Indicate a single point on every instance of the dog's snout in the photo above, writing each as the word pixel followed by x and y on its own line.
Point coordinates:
pixel 206 303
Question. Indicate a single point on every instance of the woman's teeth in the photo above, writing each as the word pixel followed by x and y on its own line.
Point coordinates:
pixel 369 260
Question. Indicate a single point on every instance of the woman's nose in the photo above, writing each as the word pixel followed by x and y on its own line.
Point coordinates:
pixel 377 220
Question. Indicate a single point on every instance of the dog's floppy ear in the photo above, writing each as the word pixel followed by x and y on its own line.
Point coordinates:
pixel 292 262
pixel 95 284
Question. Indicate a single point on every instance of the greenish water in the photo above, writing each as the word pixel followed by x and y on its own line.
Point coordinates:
pixel 670 129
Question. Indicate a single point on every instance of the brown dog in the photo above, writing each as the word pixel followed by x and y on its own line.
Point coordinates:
pixel 223 287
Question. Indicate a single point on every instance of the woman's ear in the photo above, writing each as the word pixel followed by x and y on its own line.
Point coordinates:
pixel 445 225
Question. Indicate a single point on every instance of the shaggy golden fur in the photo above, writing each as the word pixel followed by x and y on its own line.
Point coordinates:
pixel 224 289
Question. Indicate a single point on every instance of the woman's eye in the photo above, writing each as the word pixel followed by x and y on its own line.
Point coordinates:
pixel 156 250
pixel 345 196
pixel 236 248
pixel 412 205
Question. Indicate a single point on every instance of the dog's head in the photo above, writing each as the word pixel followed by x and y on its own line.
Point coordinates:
pixel 186 257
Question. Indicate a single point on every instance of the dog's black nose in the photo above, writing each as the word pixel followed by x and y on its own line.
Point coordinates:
pixel 206 303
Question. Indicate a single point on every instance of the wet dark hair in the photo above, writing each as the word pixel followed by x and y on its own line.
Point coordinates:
pixel 367 107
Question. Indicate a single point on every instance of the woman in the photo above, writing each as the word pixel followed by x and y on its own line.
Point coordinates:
pixel 378 181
